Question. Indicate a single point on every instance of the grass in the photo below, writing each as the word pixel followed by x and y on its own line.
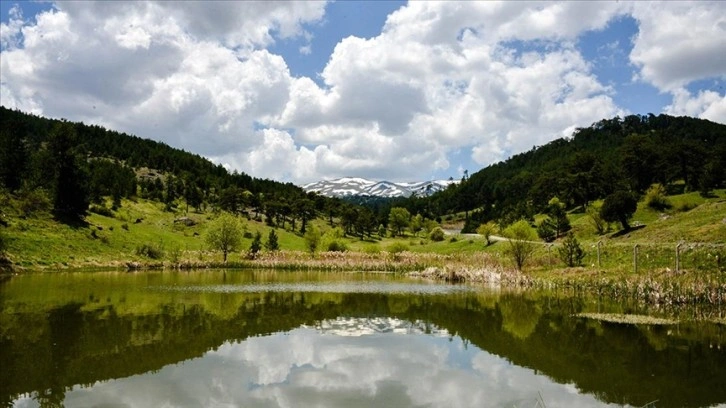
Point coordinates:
pixel 143 233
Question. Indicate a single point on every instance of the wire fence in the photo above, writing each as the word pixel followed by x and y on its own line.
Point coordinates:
pixel 650 257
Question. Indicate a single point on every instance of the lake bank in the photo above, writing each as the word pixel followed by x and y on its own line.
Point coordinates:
pixel 660 287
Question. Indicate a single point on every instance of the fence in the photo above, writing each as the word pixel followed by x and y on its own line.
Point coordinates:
pixel 650 257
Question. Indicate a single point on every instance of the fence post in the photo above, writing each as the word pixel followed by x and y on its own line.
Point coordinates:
pixel 599 244
pixel 678 256
pixel 635 258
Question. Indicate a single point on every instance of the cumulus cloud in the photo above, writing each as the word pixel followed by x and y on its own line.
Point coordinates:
pixel 488 79
pixel 679 42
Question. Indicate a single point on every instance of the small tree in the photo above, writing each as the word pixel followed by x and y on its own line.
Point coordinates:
pixel 224 234
pixel 398 219
pixel 255 246
pixel 619 206
pixel 601 226
pixel 521 247
pixel 571 252
pixel 487 230
pixel 312 239
pixel 272 243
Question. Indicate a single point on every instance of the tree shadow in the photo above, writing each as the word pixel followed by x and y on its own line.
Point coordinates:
pixel 627 231
pixel 74 222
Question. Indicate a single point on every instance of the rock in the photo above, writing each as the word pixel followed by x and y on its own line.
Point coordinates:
pixel 186 221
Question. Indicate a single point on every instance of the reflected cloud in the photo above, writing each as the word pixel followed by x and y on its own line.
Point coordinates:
pixel 340 362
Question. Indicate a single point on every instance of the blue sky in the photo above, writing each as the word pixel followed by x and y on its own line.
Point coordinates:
pixel 301 91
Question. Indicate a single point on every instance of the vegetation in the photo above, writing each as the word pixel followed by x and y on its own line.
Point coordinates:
pixel 224 234
pixel 571 253
pixel 619 206
pixel 520 236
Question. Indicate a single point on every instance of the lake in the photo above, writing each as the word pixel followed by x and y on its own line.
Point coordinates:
pixel 266 339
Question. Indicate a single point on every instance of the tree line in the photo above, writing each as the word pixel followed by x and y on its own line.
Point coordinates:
pixel 68 167
pixel 618 155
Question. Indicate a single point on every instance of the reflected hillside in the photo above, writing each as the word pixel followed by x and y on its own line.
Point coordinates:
pixel 57 331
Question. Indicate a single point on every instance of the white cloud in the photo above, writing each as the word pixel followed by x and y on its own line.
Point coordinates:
pixel 706 105
pixel 679 42
pixel 442 78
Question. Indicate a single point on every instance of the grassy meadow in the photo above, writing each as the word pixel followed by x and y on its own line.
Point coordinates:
pixel 145 234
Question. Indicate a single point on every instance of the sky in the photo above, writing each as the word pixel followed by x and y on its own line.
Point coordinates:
pixel 398 91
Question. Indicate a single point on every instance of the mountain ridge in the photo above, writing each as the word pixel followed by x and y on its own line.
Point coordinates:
pixel 358 186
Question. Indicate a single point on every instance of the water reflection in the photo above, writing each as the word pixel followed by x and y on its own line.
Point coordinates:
pixel 268 339
pixel 341 362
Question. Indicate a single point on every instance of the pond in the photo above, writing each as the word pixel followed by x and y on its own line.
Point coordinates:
pixel 265 338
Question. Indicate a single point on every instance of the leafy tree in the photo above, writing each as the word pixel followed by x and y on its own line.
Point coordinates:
pixel 571 252
pixel 520 236
pixel 487 230
pixel 416 224
pixel 398 219
pixel 70 187
pixel 272 243
pixel 224 234
pixel 593 212
pixel 312 239
pixel 619 206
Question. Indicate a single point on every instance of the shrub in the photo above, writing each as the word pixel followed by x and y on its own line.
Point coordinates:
pixel 337 246
pixel 453 239
pixel 255 246
pixel 150 251
pixel 437 234
pixel 655 198
pixel 101 210
pixel 571 252
pixel 34 201
pixel 601 226
pixel 397 248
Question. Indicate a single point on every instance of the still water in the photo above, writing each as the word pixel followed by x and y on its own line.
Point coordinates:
pixel 297 339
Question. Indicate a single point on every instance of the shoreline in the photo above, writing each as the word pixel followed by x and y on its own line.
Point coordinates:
pixel 662 288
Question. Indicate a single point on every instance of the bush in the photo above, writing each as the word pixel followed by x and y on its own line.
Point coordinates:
pixel 437 234
pixel 655 198
pixel 34 201
pixel 571 252
pixel 337 246
pixel 601 226
pixel 397 248
pixel 150 251
pixel 101 210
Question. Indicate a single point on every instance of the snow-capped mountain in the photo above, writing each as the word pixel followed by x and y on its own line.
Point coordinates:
pixel 354 186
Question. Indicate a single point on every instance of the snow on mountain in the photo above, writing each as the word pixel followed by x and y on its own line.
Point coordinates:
pixel 353 186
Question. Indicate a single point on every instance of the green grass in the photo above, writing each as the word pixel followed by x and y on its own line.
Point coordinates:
pixel 40 242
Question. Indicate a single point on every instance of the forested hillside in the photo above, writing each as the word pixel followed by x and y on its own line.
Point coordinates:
pixel 620 154
pixel 68 166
